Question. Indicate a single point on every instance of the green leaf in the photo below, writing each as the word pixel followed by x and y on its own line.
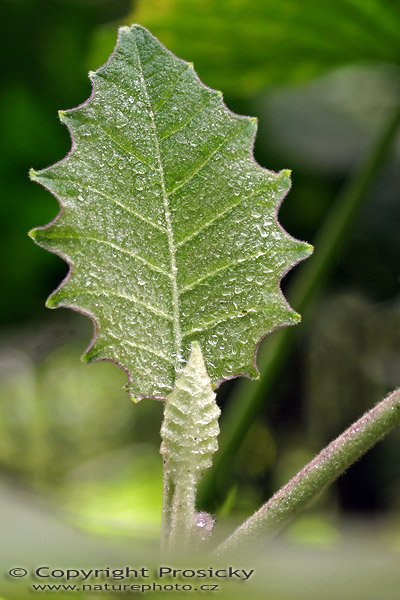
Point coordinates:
pixel 167 222
pixel 245 47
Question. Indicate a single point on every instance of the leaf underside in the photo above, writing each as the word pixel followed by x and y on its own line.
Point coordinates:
pixel 167 222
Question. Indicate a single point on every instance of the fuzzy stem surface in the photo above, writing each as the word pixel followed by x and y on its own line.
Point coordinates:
pixel 323 470
pixel 183 513
pixel 189 440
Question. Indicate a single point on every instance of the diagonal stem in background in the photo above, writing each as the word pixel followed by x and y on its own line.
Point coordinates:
pixel 249 397
pixel 327 466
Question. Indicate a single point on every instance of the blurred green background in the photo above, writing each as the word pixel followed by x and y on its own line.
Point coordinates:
pixel 79 464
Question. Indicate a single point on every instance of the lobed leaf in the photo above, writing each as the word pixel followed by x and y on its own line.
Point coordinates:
pixel 168 224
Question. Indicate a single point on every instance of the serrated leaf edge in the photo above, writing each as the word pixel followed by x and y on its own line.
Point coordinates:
pixel 35 176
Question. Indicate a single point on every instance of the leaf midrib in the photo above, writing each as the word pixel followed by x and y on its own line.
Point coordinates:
pixel 168 222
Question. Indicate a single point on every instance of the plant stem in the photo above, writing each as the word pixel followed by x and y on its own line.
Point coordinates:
pixel 249 397
pixel 327 466
pixel 182 515
pixel 189 434
pixel 166 510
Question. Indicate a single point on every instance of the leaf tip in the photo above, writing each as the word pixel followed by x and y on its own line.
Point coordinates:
pixel 295 318
pixel 196 355
pixel 33 174
pixel 127 29
pixel 133 395
pixel 61 115
pixel 37 176
pixel 86 356
pixel 51 302
pixel 133 399
pixel 32 234
pixel 283 179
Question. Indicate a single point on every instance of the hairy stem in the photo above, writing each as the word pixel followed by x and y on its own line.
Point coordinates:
pixel 166 509
pixel 189 439
pixel 249 397
pixel 327 466
pixel 183 513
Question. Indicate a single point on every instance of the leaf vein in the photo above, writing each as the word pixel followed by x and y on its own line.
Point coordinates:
pixel 127 208
pixel 130 298
pixel 182 126
pixel 234 263
pixel 161 103
pixel 88 186
pixel 168 222
pixel 112 245
pixel 148 349
pixel 211 324
pixel 127 151
pixel 215 219
pixel 205 162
